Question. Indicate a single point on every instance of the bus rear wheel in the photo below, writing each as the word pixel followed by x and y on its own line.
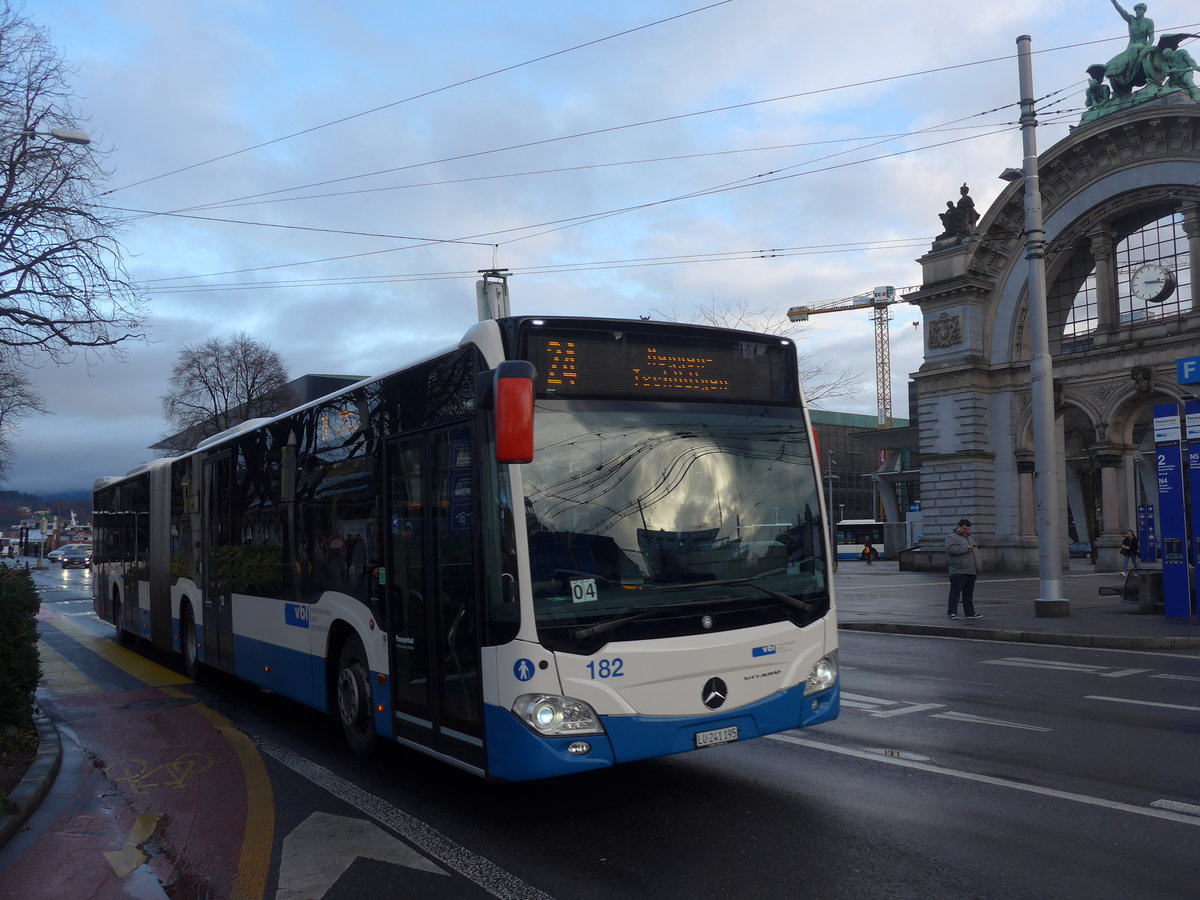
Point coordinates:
pixel 124 638
pixel 189 644
pixel 354 698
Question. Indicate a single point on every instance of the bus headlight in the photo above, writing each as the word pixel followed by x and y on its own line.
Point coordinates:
pixel 552 716
pixel 823 676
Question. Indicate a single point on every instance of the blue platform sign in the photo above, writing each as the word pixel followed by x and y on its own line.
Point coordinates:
pixel 1191 411
pixel 1187 370
pixel 1168 452
pixel 1147 536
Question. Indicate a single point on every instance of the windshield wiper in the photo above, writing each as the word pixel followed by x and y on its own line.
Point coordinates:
pixel 582 634
pixel 794 602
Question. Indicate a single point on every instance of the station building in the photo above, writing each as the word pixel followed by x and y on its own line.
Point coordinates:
pixel 1121 205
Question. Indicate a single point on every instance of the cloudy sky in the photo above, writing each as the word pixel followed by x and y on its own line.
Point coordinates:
pixel 329 177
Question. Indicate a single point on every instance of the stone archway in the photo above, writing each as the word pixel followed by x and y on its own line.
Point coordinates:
pixel 1104 189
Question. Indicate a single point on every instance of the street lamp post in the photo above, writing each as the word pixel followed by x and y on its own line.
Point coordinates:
pixel 830 478
pixel 1050 602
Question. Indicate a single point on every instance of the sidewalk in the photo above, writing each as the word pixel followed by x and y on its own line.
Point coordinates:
pixel 879 597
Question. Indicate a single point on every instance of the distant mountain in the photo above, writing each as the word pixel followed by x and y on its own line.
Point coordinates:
pixel 61 504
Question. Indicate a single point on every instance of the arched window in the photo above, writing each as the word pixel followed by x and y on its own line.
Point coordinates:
pixel 1073 299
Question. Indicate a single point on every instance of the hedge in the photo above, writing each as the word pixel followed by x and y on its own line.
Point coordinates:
pixel 19 666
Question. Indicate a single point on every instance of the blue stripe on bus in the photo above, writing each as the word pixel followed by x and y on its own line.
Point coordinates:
pixel 645 737
pixel 517 754
pixel 292 673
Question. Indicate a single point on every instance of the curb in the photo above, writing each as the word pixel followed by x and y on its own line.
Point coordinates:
pixel 28 795
pixel 1107 642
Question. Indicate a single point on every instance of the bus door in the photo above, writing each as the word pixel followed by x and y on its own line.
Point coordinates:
pixel 431 594
pixel 216 564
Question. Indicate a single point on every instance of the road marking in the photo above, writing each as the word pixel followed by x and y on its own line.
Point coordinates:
pixel 1179 677
pixel 131 856
pixel 173 774
pixel 1154 813
pixel 1189 808
pixel 858 701
pixel 323 846
pixel 980 720
pixel 1121 673
pixel 150 673
pixel 60 676
pixel 1026 663
pixel 1145 703
pixel 254 862
pixel 482 872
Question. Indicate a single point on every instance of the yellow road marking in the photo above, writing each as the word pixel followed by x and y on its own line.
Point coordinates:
pixel 60 676
pixel 258 842
pixel 152 674
pixel 251 880
pixel 131 856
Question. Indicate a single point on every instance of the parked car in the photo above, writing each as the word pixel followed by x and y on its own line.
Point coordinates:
pixel 76 558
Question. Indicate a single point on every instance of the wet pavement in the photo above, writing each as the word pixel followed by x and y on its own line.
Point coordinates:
pixel 146 742
pixel 879 597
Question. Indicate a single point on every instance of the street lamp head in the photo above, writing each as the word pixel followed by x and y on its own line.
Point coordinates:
pixel 1011 174
pixel 69 135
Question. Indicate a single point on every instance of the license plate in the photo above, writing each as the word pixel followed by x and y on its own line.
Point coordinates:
pixel 716 736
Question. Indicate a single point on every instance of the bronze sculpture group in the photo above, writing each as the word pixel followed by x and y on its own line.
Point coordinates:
pixel 1156 68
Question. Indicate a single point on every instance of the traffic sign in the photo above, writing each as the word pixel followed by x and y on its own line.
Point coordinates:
pixel 1188 370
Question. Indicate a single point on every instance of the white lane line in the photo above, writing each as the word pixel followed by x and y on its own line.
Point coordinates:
pixel 1189 808
pixel 1178 677
pixel 1156 813
pixel 980 720
pixel 426 838
pixel 1145 703
pixel 1025 662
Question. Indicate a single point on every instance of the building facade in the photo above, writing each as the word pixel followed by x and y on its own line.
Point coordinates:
pixel 1121 204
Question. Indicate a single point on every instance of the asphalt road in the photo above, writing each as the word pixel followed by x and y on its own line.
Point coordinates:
pixel 958 768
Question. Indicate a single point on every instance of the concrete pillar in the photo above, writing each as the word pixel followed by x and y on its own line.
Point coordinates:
pixel 1191 227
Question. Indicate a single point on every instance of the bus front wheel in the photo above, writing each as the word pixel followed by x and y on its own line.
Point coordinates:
pixel 354 698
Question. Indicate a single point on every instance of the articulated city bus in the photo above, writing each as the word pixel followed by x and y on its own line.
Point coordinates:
pixel 562 545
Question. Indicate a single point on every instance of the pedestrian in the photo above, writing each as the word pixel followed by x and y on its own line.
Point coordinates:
pixel 869 553
pixel 964 569
pixel 1129 551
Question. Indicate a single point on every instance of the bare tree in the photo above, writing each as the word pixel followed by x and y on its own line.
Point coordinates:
pixel 17 400
pixel 822 381
pixel 63 285
pixel 222 383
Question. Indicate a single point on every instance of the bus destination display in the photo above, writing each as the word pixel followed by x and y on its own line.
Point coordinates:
pixel 631 364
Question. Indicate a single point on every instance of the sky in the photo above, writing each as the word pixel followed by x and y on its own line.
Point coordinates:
pixel 329 178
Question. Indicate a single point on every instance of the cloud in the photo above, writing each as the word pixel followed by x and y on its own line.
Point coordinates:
pixel 182 88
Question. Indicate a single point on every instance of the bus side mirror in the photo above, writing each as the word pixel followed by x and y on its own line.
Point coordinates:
pixel 512 394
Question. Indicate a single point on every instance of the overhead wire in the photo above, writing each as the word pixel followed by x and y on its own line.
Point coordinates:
pixel 422 95
pixel 760 178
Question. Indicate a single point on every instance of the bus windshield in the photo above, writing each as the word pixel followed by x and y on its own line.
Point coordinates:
pixel 660 521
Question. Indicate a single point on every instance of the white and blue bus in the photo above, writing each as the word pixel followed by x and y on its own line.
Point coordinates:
pixel 887 538
pixel 562 545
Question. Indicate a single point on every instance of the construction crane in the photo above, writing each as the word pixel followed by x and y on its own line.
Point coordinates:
pixel 879 301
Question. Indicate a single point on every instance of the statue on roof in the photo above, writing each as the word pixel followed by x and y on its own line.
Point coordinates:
pixel 959 219
pixel 1156 69
pixel 1127 69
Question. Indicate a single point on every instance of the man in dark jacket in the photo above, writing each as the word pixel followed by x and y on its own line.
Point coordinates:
pixel 964 569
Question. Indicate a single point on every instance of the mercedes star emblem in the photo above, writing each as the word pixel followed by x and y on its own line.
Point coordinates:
pixel 714 693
